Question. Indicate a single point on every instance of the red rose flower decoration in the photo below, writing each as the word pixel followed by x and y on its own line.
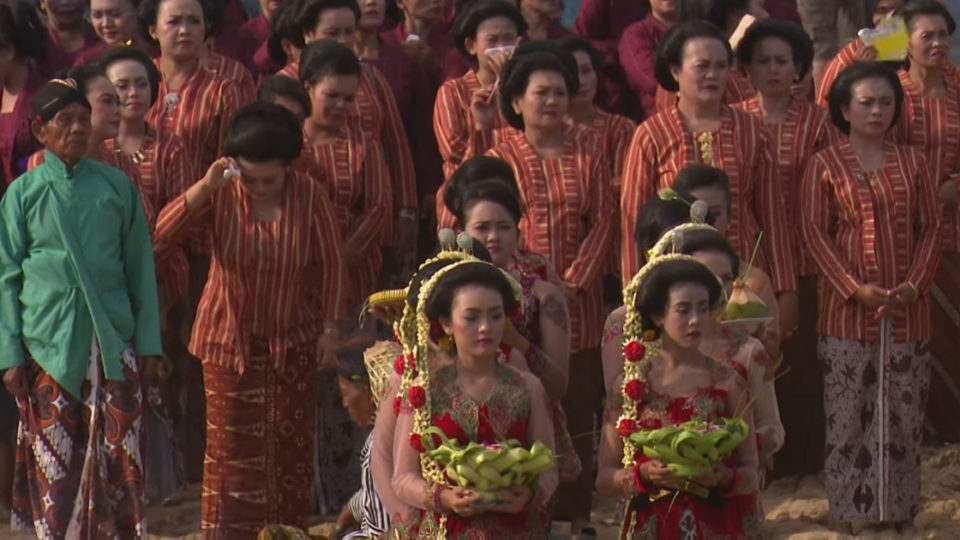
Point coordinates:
pixel 627 427
pixel 398 364
pixel 651 423
pixel 411 361
pixel 416 441
pixel 634 351
pixel 635 389
pixel 397 401
pixel 418 396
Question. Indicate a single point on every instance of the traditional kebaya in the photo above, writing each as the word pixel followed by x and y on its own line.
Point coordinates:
pixel 21 34
pixel 701 129
pixel 931 123
pixel 466 119
pixel 73 331
pixel 667 381
pixel 264 322
pixel 347 163
pixel 871 221
pixel 476 399
pixel 193 103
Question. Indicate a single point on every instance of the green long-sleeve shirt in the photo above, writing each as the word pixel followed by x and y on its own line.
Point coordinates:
pixel 75 258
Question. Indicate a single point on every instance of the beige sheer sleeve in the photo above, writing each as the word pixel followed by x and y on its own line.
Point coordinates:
pixel 540 428
pixel 610 459
pixel 381 452
pixel 611 349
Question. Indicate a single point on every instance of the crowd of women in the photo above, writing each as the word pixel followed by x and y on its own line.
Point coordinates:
pixel 220 261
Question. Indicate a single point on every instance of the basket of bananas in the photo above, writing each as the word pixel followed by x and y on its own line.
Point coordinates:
pixel 486 468
pixel 692 447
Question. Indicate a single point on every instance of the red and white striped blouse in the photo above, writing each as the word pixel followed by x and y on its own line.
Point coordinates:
pixel 358 184
pixel 198 112
pixel 878 227
pixel 456 137
pixel 844 59
pixel 663 146
pixel 805 130
pixel 228 68
pixel 568 217
pixel 277 280
pixel 375 113
pixel 932 125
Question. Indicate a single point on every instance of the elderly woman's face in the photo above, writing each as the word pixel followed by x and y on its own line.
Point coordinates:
pixel 477 321
pixel 702 73
pixel 544 103
pixel 929 41
pixel 179 28
pixel 67 133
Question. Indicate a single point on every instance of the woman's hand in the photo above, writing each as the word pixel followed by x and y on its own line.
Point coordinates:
pixel 15 379
pixel 483 107
pixel 216 176
pixel 789 307
pixel 719 476
pixel 657 473
pixel 461 501
pixel 515 499
pixel 871 296
pixel 867 54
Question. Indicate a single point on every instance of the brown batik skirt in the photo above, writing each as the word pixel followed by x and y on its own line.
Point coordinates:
pixel 874 400
pixel 258 468
pixel 79 462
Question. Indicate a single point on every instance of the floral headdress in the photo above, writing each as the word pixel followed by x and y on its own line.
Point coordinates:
pixel 418 396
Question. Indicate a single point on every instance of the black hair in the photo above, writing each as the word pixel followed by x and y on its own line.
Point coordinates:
pixel 309 11
pixel 351 367
pixel 550 47
pixel 440 302
pixel 482 178
pixel 281 86
pixel 698 175
pixel 671 48
pixel 84 74
pixel 654 292
pixel 21 29
pixel 427 271
pixel 284 26
pixel 842 90
pixel 706 240
pixel 789 32
pixel 658 216
pixel 262 132
pixel 327 57
pixel 914 8
pixel 715 12
pixel 573 44
pixel 117 54
pixel 150 9
pixel 515 78
pixel 471 14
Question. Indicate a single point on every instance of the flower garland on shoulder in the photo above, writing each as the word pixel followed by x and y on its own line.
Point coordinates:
pixel 639 347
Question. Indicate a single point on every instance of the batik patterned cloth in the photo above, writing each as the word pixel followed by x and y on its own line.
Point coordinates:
pixel 79 468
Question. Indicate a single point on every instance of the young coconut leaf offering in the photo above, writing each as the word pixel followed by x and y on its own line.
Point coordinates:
pixel 693 447
pixel 488 468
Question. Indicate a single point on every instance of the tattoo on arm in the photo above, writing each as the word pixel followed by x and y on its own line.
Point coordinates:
pixel 555 310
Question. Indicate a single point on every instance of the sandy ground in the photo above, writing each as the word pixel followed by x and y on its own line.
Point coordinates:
pixel 796 508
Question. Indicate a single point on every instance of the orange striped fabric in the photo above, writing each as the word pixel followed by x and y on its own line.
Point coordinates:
pixel 932 125
pixel 844 59
pixel 165 171
pixel 278 280
pixel 228 68
pixel 805 130
pixel 354 172
pixel 662 146
pixel 375 113
pixel 198 112
pixel 615 133
pixel 880 228
pixel 737 89
pixel 457 139
pixel 567 216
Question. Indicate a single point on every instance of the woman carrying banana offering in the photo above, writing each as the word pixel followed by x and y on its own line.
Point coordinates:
pixel 677 438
